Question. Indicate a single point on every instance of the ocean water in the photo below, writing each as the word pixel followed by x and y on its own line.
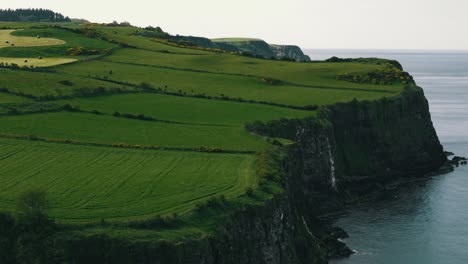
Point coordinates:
pixel 425 222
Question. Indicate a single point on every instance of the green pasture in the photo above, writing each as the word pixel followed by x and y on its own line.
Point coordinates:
pixel 104 129
pixel 9 40
pixel 92 183
pixel 187 110
pixel 50 83
pixel 128 36
pixel 8 98
pixel 309 74
pixel 67 40
pixel 233 86
pixel 36 62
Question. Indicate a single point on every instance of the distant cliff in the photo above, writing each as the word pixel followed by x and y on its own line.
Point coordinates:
pixel 245 46
pixel 258 47
pixel 251 47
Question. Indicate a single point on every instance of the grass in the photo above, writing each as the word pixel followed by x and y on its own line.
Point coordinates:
pixel 245 87
pixel 49 83
pixel 36 62
pixel 312 74
pixel 92 128
pixel 127 35
pixel 22 41
pixel 67 39
pixel 89 183
pixel 8 98
pixel 187 110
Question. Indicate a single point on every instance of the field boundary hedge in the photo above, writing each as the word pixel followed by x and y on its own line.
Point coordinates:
pixel 125 146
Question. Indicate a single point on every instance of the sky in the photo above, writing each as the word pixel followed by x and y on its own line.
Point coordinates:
pixel 313 24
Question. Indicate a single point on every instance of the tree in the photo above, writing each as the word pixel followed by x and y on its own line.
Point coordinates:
pixel 32 15
pixel 32 204
pixel 35 231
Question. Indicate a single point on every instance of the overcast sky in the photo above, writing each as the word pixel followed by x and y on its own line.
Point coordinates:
pixel 354 24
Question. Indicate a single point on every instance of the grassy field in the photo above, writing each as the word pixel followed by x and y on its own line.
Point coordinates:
pixel 8 98
pixel 89 183
pixel 245 87
pixel 187 110
pixel 9 40
pixel 311 74
pixel 68 40
pixel 121 71
pixel 92 128
pixel 50 83
pixel 36 62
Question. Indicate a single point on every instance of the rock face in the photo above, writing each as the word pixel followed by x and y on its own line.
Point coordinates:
pixel 289 51
pixel 385 139
pixel 346 147
pixel 362 145
pixel 260 48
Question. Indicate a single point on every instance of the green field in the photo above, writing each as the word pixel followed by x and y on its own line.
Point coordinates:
pixel 187 110
pixel 9 40
pixel 36 62
pixel 245 87
pixel 92 161
pixel 90 183
pixel 92 128
pixel 51 84
pixel 8 98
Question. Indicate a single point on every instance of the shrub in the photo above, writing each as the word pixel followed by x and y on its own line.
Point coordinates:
pixel 249 192
pixel 66 82
pixel 32 204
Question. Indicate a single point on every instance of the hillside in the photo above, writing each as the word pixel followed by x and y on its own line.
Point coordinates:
pixel 145 140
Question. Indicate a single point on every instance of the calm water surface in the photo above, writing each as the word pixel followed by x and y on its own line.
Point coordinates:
pixel 425 222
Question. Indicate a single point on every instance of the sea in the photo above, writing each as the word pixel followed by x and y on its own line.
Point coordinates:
pixel 424 222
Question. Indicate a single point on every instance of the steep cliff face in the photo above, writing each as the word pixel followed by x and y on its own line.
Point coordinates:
pixel 362 144
pixel 385 139
pixel 289 51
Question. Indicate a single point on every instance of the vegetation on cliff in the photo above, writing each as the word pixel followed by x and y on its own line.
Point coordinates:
pixel 142 140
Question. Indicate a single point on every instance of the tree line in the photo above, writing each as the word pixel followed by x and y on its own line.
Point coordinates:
pixel 32 15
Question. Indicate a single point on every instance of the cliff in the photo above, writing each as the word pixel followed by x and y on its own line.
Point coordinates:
pixel 260 48
pixel 347 149
pixel 289 51
pixel 251 47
